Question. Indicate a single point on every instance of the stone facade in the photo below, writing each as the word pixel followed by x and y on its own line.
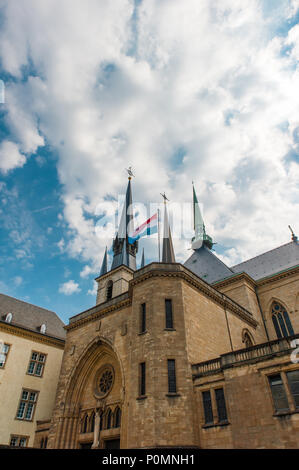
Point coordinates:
pixel 106 398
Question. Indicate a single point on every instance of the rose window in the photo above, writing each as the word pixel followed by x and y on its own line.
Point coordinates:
pixel 105 382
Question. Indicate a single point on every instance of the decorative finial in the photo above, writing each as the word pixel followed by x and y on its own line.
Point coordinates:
pixel 164 197
pixel 294 238
pixel 130 172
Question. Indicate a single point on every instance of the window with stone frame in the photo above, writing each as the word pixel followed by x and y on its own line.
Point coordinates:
pixel 109 419
pixel 281 321
pixel 27 405
pixel 207 407
pixel 109 291
pixel 84 424
pixel 278 391
pixel 221 405
pixel 36 364
pixel 142 328
pixel 293 381
pixel 172 387
pixel 168 314
pixel 18 441
pixel 214 407
pixel 3 354
pixel 117 417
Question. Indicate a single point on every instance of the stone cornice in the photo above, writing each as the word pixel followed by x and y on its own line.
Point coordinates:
pixel 276 277
pixel 119 268
pixel 179 271
pixel 99 311
pixel 31 335
pixel 235 278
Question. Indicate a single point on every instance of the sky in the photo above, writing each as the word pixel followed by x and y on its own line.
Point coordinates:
pixel 181 91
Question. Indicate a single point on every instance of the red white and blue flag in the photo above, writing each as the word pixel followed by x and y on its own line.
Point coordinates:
pixel 147 228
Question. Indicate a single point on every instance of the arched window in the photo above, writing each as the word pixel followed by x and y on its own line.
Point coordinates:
pixel 281 321
pixel 247 340
pixel 117 417
pixel 109 419
pixel 84 424
pixel 42 443
pixel 43 328
pixel 101 420
pixel 109 290
pixel 92 421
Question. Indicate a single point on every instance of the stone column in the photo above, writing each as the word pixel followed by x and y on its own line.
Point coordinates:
pixel 96 432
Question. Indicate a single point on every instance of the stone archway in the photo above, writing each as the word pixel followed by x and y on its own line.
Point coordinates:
pixel 96 384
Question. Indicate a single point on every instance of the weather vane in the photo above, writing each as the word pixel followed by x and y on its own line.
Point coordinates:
pixel 130 172
pixel 164 197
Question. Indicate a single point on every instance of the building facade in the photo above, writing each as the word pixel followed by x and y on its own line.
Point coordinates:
pixel 31 342
pixel 198 355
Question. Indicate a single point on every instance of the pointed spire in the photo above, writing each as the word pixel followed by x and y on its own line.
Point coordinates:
pixel 200 236
pixel 142 260
pixel 167 247
pixel 123 252
pixel 104 264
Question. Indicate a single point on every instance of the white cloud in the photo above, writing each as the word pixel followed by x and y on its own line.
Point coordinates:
pixel 182 91
pixel 69 288
pixel 10 156
pixel 18 280
pixel 93 291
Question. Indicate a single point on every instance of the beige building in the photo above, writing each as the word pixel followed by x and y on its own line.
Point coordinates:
pixel 197 355
pixel 31 345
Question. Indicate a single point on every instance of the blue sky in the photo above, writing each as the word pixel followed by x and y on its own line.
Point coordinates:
pixel 181 91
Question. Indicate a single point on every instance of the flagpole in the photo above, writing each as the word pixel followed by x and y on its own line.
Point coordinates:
pixel 159 233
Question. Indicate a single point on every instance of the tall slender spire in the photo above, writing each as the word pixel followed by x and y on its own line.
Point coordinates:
pixel 200 235
pixel 104 264
pixel 142 260
pixel 167 247
pixel 123 252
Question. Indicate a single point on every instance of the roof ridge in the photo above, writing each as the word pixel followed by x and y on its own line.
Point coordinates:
pixel 28 303
pixel 218 259
pixel 262 254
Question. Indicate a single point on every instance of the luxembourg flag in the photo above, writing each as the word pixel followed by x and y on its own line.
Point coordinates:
pixel 147 228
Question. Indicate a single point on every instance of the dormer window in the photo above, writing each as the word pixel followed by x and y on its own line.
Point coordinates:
pixel 43 328
pixel 8 318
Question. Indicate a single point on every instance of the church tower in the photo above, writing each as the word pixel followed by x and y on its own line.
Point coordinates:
pixel 116 281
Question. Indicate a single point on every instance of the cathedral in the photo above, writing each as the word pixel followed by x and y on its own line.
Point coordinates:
pixel 194 355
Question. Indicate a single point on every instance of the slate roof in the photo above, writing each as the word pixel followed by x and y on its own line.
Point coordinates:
pixel 31 317
pixel 206 265
pixel 271 262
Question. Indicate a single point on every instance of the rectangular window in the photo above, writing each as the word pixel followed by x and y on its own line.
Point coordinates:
pixel 168 313
pixel 278 393
pixel 142 379
pixel 3 354
pixel 221 406
pixel 143 318
pixel 293 379
pixel 171 376
pixel 207 406
pixel 36 364
pixel 27 405
pixel 18 441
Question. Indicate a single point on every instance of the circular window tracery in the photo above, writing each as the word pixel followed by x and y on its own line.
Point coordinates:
pixel 104 381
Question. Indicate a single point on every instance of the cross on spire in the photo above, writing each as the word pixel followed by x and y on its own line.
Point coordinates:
pixel 164 197
pixel 130 172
